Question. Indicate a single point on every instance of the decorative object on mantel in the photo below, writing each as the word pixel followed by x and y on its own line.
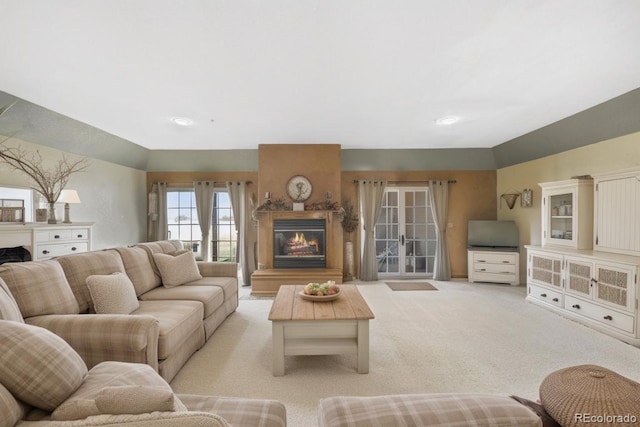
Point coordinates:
pixel 526 200
pixel 67 197
pixel 327 205
pixel 48 181
pixel 510 199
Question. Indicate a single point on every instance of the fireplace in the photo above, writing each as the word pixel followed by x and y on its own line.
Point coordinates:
pixel 299 243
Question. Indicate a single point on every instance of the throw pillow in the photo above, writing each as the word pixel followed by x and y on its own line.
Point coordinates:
pixel 8 307
pixel 134 399
pixel 112 294
pixel 11 411
pixel 177 270
pixel 37 366
pixel 111 376
pixel 39 288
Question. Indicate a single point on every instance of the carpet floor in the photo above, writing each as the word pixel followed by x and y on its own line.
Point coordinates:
pixel 480 338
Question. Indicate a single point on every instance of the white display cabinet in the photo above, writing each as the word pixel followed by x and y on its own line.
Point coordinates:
pixel 567 213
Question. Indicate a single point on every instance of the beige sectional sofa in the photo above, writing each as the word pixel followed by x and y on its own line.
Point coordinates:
pixel 169 323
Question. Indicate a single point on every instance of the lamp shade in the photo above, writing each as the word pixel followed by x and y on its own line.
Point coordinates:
pixel 68 196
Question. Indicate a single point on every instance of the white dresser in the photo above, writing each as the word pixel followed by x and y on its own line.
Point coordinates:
pixel 493 265
pixel 46 241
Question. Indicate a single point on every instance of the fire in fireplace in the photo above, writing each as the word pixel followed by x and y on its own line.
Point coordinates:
pixel 299 243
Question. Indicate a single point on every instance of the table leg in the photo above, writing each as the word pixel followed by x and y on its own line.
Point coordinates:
pixel 363 346
pixel 277 333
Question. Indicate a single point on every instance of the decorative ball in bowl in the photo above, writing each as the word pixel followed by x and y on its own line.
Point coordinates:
pixel 327 291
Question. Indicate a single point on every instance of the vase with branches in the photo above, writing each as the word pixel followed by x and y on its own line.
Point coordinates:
pixel 49 181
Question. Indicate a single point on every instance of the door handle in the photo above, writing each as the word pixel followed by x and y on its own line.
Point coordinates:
pixel 402 240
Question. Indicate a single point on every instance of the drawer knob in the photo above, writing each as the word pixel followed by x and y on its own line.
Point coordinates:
pixel 555 300
pixel 74 248
pixel 45 252
pixel 57 236
pixel 576 306
pixel 80 236
pixel 543 295
pixel 607 317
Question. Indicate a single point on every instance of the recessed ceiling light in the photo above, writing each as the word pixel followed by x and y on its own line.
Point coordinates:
pixel 182 121
pixel 447 120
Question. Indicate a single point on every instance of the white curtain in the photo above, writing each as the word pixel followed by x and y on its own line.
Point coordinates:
pixel 439 197
pixel 158 212
pixel 371 196
pixel 245 227
pixel 204 207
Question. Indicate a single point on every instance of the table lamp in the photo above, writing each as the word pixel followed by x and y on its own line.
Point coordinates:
pixel 66 197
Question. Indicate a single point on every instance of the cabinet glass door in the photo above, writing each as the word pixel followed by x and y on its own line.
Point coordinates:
pixel 561 216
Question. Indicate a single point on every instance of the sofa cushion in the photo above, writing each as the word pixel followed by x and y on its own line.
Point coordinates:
pixel 178 269
pixel 37 366
pixel 112 294
pixel 446 409
pixel 211 297
pixel 10 409
pixel 9 309
pixel 84 402
pixel 78 267
pixel 140 269
pixel 177 321
pixel 39 288
pixel 229 285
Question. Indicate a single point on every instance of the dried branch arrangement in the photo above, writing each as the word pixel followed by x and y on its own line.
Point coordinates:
pixel 48 181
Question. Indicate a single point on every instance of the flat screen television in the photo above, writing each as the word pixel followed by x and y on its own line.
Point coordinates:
pixel 493 234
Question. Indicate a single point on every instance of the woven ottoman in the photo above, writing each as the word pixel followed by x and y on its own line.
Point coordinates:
pixel 591 395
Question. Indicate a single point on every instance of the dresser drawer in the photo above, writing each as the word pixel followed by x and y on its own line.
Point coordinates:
pixel 494 268
pixel 62 235
pixel 49 251
pixel 493 258
pixel 600 314
pixel 547 295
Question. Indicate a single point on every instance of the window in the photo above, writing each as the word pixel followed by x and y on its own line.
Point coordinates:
pixel 183 224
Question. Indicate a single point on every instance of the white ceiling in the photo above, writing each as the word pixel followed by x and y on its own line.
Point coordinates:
pixel 360 73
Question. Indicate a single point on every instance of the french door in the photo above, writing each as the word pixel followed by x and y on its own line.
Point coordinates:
pixel 405 234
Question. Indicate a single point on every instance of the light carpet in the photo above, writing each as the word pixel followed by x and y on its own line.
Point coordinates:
pixel 411 286
pixel 480 338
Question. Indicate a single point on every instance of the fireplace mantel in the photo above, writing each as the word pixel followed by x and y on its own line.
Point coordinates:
pixel 267 280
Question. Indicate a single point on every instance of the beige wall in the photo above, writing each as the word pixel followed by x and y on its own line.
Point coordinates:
pixel 112 196
pixel 610 155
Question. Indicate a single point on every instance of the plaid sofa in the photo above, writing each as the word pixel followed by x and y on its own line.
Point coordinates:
pixel 44 382
pixel 170 324
pixel 443 410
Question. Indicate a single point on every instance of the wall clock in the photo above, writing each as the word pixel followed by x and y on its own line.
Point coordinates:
pixel 299 188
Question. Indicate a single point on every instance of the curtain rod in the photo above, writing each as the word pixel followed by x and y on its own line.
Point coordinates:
pixel 452 181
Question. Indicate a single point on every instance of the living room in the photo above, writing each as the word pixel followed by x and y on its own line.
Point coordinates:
pixel 483 338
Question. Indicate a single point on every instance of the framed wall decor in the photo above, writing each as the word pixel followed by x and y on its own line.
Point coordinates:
pixel 527 198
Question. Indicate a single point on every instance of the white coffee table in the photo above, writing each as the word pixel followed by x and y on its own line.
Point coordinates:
pixel 301 327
